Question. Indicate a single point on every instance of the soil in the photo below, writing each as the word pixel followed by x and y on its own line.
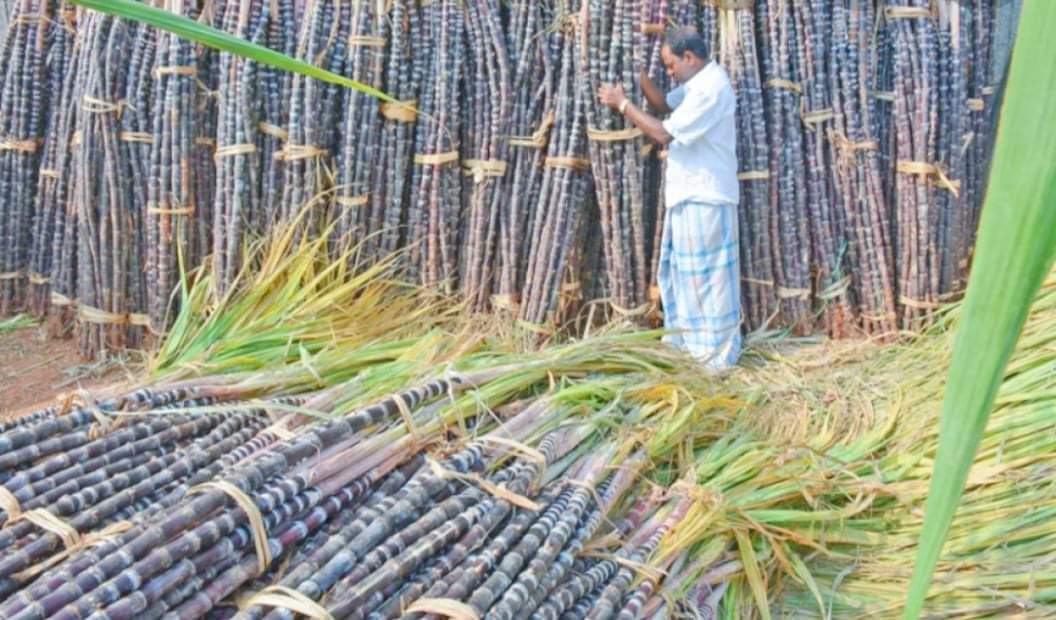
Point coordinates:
pixel 35 370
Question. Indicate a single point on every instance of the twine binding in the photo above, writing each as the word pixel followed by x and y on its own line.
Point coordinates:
pixel 353 201
pixel 136 136
pixel 274 130
pixel 21 146
pixel 10 504
pixel 616 135
pixel 924 170
pixel 538 139
pixel 256 521
pixel 446 607
pixel 282 597
pixel 230 150
pixel 578 164
pixel 481 169
pixel 400 111
pixel 753 175
pixel 436 159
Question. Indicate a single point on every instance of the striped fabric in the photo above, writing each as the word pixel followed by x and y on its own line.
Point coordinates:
pixel 699 278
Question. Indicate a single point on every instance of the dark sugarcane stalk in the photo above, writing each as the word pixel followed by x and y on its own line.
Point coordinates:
pixel 23 103
pixel 282 33
pixel 790 227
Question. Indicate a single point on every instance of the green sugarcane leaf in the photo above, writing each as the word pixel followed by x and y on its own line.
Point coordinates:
pixel 218 39
pixel 753 573
pixel 1017 240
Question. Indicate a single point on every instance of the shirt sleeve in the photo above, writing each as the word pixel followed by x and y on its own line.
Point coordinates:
pixel 697 114
pixel 676 96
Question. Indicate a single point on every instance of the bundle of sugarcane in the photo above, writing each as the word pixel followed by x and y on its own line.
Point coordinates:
pixel 561 211
pixel 51 185
pixel 858 167
pixel 23 105
pixel 361 129
pixel 173 203
pixel 315 106
pixel 436 183
pixel 831 282
pixel 485 150
pixel 737 52
pixel 109 283
pixel 920 179
pixel 238 208
pixel 389 191
pixel 612 52
pixel 282 31
pixel 978 40
pixel 791 222
pixel 535 66
pixel 54 199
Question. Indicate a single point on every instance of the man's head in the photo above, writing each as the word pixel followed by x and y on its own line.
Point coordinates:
pixel 684 53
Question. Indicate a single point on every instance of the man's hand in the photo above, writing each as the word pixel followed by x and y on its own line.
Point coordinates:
pixel 611 95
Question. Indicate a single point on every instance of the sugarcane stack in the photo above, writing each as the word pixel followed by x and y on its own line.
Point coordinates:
pixel 864 130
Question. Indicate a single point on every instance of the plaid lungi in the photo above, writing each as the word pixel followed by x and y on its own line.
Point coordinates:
pixel 700 281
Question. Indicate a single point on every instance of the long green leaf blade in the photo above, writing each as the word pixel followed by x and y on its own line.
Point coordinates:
pixel 211 37
pixel 1015 250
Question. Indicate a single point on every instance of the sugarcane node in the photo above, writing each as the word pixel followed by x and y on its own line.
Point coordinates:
pixel 281 597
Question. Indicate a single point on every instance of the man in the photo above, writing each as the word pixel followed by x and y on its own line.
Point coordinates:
pixel 699 273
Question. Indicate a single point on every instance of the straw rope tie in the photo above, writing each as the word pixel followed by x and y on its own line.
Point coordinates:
pixel 58 299
pixel 136 136
pixel 816 117
pixel 295 152
pixel 446 607
pixel 21 146
pixel 783 84
pixel 48 173
pixel 653 28
pixel 616 135
pixel 793 293
pixel 767 283
pixel 359 40
pixel 274 131
pixel 505 302
pixel 487 486
pixel 436 159
pixel 206 142
pixel 97 316
pixel 11 275
pixel 578 164
pixel 279 430
pixel 163 208
pixel 986 91
pixel 907 12
pixel 256 521
pixel 538 139
pixel 100 106
pixel 629 313
pixel 523 450
pixel 175 70
pixel 10 504
pixel 925 170
pixel 353 201
pixel 884 95
pixel 38 278
pixel 91 539
pixel 244 148
pixel 282 597
pixel 753 175
pixel 976 105
pixel 730 5
pixel 835 289
pixel 399 111
pixel 918 304
pixel 481 169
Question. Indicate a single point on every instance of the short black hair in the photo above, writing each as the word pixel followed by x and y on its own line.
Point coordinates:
pixel 686 39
